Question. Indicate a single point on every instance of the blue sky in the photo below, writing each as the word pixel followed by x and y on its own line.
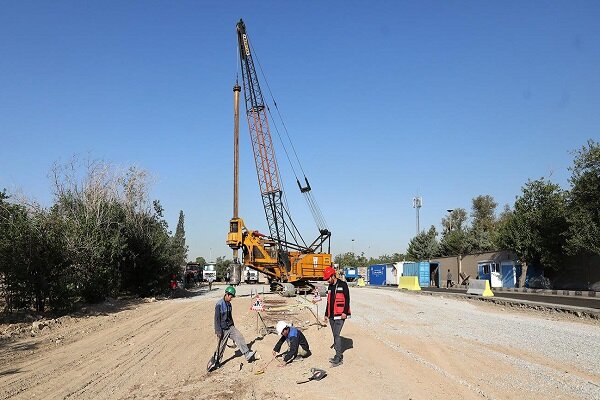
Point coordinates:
pixel 383 100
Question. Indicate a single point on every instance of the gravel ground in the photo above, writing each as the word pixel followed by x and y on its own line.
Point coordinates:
pixel 547 355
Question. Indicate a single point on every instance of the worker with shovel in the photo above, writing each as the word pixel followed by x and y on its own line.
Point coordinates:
pixel 225 329
pixel 298 345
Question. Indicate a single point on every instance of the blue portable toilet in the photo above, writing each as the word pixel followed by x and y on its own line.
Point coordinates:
pixel 377 275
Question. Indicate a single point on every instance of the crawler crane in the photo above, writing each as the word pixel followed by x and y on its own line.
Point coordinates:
pixel 282 255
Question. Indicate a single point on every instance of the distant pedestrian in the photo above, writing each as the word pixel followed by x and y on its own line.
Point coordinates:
pixel 210 281
pixel 225 329
pixel 449 280
pixel 173 285
pixel 298 345
pixel 338 309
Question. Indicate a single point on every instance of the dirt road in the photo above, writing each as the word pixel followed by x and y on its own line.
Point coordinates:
pixel 401 346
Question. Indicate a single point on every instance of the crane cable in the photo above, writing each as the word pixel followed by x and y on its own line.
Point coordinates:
pixel 311 201
pixel 292 230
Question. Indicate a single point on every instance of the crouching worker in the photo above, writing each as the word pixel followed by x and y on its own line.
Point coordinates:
pixel 298 345
pixel 225 329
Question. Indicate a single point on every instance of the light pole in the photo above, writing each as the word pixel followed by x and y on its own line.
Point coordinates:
pixel 352 246
pixel 450 219
pixel 459 256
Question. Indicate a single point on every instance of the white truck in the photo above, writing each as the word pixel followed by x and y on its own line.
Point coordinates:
pixel 250 275
pixel 209 272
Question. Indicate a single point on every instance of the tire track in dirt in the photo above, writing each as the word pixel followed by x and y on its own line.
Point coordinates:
pixel 90 362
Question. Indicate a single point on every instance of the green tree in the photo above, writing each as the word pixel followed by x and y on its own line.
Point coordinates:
pixel 387 259
pixel 501 222
pixel 537 227
pixel 201 261
pixel 15 233
pixel 424 245
pixel 456 238
pixel 483 213
pixel 584 201
pixel 483 227
pixel 222 267
pixel 179 247
pixel 350 259
pixel 455 221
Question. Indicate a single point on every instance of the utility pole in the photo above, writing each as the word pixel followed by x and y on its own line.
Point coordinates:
pixel 417 204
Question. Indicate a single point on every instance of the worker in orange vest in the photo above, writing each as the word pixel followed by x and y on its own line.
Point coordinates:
pixel 337 311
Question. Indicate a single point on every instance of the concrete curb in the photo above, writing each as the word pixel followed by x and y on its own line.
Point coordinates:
pixel 578 311
pixel 498 299
pixel 582 293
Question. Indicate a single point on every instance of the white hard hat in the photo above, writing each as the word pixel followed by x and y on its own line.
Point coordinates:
pixel 281 325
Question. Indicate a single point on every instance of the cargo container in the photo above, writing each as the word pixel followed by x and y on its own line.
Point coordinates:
pixel 421 269
pixel 376 274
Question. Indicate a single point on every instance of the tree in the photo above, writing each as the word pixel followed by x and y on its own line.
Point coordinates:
pixel 424 245
pixel 501 222
pixel 456 239
pixel 350 259
pixel 456 220
pixel 386 259
pixel 483 226
pixel 483 213
pixel 115 239
pixel 584 201
pixel 537 227
pixel 30 257
pixel 222 267
pixel 100 237
pixel 179 247
pixel 201 262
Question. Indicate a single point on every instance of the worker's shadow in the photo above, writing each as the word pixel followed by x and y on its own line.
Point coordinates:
pixel 237 353
pixel 347 343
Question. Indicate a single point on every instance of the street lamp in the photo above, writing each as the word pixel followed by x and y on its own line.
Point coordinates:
pixel 352 246
pixel 450 219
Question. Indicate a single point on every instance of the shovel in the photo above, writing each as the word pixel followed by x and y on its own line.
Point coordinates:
pixel 263 369
pixel 317 375
pixel 215 360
